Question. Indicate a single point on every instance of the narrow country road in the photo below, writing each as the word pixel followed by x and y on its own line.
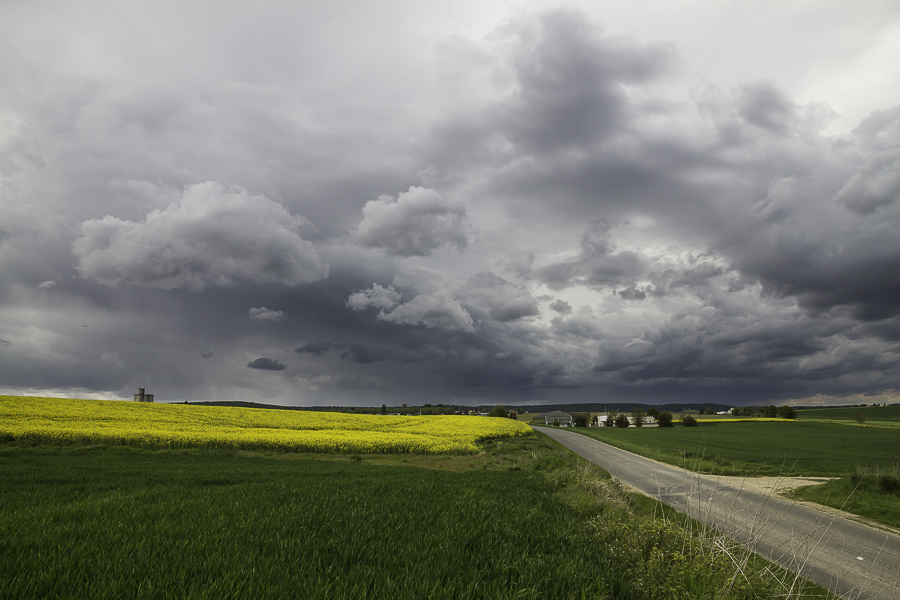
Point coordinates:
pixel 851 559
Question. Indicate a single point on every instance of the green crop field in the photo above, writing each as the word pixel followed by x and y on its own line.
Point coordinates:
pixel 761 448
pixel 882 414
pixel 522 519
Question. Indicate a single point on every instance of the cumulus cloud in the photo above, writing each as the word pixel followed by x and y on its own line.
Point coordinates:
pixel 598 264
pixel 263 315
pixel 875 184
pixel 503 300
pixel 436 311
pixel 377 296
pixel 561 306
pixel 416 223
pixel 266 364
pixel 212 237
pixel 432 310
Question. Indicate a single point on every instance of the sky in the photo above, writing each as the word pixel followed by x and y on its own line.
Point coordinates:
pixel 473 203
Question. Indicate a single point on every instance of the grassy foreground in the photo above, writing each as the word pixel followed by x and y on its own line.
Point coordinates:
pixel 522 519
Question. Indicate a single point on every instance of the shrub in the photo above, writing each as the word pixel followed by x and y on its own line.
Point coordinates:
pixel 581 419
pixel 637 415
pixel 622 420
pixel 664 419
pixel 787 412
pixel 888 484
pixel 688 421
pixel 498 411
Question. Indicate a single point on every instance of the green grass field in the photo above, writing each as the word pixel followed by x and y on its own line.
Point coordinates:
pixel 523 519
pixel 763 448
pixel 879 414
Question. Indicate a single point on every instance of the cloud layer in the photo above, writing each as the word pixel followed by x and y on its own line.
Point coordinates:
pixel 436 202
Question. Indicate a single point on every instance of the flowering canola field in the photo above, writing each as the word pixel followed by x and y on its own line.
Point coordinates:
pixel 63 421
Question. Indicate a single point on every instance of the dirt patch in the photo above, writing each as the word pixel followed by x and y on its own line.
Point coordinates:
pixel 767 485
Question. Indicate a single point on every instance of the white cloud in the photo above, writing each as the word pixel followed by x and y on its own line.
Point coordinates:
pixel 376 296
pixel 213 236
pixel 436 311
pixel 416 223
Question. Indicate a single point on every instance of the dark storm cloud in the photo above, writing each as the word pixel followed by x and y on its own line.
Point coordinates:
pixel 358 353
pixel 571 83
pixel 580 221
pixel 266 364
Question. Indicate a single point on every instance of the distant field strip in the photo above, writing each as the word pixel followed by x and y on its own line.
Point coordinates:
pixel 61 421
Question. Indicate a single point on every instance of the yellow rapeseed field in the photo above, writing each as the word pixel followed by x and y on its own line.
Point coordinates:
pixel 60 420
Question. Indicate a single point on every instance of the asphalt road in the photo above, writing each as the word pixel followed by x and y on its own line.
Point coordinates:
pixel 851 559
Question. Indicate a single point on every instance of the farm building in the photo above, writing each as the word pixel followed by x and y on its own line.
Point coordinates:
pixel 141 396
pixel 552 417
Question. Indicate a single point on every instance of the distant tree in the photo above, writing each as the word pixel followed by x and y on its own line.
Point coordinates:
pixel 770 412
pixel 860 416
pixel 652 412
pixel 637 415
pixel 581 419
pixel 664 419
pixel 498 411
pixel 688 421
pixel 787 412
pixel 384 409
pixel 622 420
pixel 513 415
pixel 611 418
pixel 702 411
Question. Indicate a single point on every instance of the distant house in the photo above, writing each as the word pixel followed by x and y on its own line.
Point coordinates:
pixel 141 396
pixel 551 418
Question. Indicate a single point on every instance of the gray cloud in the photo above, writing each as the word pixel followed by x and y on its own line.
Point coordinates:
pixel 213 236
pixel 875 184
pixel 503 300
pixel 266 364
pixel 416 223
pixel 263 315
pixel 561 306
pixel 765 106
